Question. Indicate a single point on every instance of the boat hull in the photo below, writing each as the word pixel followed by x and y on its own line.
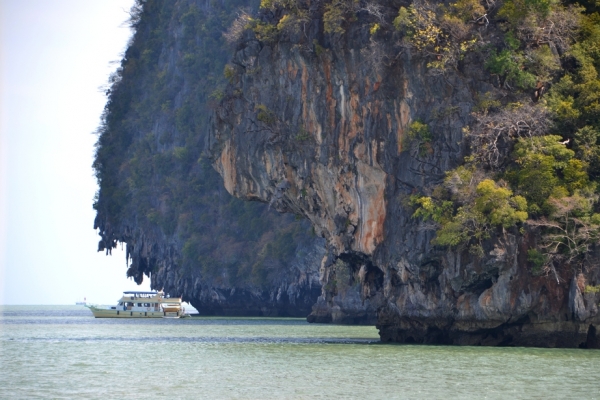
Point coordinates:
pixel 112 313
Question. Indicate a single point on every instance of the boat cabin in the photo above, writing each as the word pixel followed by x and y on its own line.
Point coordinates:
pixel 140 305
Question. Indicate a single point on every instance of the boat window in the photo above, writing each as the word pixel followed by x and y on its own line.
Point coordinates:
pixel 139 304
pixel 121 303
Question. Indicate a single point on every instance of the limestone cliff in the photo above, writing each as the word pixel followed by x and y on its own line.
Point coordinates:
pixel 160 197
pixel 317 123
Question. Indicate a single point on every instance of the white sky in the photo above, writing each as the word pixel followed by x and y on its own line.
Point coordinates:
pixel 54 57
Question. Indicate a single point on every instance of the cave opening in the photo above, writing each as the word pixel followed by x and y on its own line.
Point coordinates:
pixel 374 274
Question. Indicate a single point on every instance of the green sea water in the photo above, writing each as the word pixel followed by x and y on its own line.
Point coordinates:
pixel 56 352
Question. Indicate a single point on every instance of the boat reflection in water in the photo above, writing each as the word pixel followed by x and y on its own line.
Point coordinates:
pixel 142 305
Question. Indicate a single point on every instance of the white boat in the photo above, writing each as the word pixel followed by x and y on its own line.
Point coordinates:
pixel 141 305
pixel 81 303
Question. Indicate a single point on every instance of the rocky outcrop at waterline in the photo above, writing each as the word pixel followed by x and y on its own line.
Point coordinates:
pixel 320 122
pixel 496 302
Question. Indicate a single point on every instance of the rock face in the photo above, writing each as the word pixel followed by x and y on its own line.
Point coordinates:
pixel 290 293
pixel 160 196
pixel 317 125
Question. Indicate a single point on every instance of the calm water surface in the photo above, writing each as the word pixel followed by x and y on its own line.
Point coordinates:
pixel 63 352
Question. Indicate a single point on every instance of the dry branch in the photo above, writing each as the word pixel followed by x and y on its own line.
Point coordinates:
pixel 493 134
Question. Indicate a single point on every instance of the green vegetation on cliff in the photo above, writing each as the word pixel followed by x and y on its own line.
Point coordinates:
pixel 536 137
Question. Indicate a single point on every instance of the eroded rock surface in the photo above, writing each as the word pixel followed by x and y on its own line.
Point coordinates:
pixel 161 198
pixel 314 125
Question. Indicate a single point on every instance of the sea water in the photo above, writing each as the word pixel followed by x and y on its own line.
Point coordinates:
pixel 56 352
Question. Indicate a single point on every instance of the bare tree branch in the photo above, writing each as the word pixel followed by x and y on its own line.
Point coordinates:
pixel 493 134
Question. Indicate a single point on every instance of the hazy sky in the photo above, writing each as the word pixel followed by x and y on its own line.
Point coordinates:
pixel 54 57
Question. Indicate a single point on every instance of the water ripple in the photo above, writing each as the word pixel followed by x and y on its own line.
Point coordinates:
pixel 65 353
